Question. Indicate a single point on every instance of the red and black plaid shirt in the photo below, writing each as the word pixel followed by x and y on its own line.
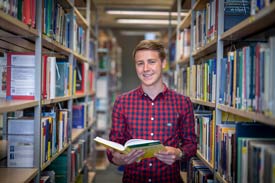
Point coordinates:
pixel 168 118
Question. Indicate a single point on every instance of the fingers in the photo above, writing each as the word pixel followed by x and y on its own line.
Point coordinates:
pixel 133 156
pixel 166 157
pixel 125 159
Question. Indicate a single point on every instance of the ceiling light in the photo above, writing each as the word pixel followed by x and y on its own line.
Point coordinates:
pixel 146 21
pixel 151 13
pixel 136 33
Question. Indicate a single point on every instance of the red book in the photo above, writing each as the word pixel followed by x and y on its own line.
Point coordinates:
pixel 33 13
pixel 27 8
pixel 44 77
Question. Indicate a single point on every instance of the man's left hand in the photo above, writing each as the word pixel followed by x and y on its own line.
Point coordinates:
pixel 170 155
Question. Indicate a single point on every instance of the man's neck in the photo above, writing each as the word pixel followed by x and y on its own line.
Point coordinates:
pixel 153 91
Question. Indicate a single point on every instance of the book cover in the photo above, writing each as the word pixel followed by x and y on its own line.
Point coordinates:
pixel 79 77
pixel 149 146
pixel 52 114
pixel 62 79
pixel 20 151
pixel 21 76
pixel 51 72
pixel 20 142
pixel 245 131
pixel 79 116
pixel 45 78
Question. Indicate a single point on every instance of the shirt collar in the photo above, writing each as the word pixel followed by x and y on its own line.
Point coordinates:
pixel 141 92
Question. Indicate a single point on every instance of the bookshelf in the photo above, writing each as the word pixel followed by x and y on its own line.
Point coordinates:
pixel 43 35
pixel 211 38
pixel 108 75
pixel 24 175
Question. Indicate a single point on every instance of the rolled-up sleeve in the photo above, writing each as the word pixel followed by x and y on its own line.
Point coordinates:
pixel 118 126
pixel 188 136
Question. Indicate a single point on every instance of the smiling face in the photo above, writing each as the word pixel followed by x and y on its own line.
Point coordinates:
pixel 149 67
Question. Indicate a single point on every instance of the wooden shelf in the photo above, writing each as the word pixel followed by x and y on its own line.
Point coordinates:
pixel 80 57
pixel 184 61
pixel 54 46
pixel 210 47
pixel 253 24
pixel 91 123
pixel 56 100
pixel 219 178
pixel 80 19
pixel 202 102
pixel 15 43
pixel 186 22
pixel 11 175
pixel 17 27
pixel 79 95
pixel 249 115
pixel 207 163
pixel 200 5
pixel 14 105
pixel 76 133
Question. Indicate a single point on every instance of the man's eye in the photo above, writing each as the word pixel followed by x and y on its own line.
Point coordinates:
pixel 139 63
pixel 152 61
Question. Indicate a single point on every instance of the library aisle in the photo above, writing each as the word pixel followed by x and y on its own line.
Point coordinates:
pixel 63 63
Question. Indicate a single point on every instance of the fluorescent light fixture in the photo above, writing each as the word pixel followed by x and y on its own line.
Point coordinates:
pixel 146 21
pixel 150 36
pixel 136 33
pixel 144 13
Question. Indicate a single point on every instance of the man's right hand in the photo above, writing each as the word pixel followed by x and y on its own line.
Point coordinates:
pixel 126 159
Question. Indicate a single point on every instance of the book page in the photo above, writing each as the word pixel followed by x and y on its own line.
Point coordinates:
pixel 110 144
pixel 134 142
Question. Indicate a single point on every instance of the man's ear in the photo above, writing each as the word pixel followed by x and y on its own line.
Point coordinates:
pixel 164 62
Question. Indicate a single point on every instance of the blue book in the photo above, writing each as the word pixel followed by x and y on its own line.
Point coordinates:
pixel 54 141
pixel 62 79
pixel 246 130
pixel 223 80
pixel 79 116
pixel 235 12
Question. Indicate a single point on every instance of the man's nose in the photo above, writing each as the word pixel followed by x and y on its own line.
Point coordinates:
pixel 146 66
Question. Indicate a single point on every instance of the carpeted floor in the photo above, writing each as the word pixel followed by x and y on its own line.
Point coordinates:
pixel 110 175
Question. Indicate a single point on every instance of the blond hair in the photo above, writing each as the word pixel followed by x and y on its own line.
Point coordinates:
pixel 151 45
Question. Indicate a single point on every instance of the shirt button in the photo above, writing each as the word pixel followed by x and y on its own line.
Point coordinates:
pixel 152 118
pixel 152 134
pixel 149 180
pixel 150 164
pixel 145 94
pixel 153 103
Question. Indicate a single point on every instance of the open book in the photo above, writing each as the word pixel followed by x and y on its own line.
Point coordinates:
pixel 150 147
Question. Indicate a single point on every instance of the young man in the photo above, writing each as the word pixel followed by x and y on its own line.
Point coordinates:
pixel 153 111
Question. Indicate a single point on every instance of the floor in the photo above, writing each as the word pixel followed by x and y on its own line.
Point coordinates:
pixel 111 175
